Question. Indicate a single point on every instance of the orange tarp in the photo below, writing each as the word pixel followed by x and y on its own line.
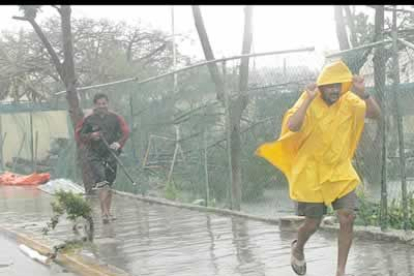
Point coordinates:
pixel 9 178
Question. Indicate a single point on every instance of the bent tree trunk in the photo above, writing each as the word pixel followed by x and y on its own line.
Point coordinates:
pixel 65 69
pixel 236 105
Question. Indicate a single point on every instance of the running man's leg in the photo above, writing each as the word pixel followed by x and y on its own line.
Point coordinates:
pixel 313 213
pixel 110 174
pixel 98 171
pixel 103 197
pixel 87 173
pixel 345 208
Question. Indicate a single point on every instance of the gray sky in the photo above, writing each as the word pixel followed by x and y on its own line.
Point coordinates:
pixel 275 27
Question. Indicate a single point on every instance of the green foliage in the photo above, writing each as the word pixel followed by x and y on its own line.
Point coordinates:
pixel 212 203
pixel 369 212
pixel 258 174
pixel 73 205
pixel 364 29
pixel 170 191
pixel 330 211
pixel 72 246
pixel 363 34
pixel 396 215
pixel 156 102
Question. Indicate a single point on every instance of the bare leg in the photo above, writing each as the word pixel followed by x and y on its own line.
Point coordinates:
pixel 108 201
pixel 346 222
pixel 103 194
pixel 306 230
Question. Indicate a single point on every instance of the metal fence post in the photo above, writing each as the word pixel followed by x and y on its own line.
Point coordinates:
pixel 206 167
pixel 380 87
pixel 228 135
pixel 399 119
pixel 132 130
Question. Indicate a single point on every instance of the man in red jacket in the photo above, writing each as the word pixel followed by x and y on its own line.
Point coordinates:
pixel 99 133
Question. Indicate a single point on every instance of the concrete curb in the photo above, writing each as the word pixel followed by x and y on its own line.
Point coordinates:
pixel 73 262
pixel 375 233
pixel 193 207
pixel 289 222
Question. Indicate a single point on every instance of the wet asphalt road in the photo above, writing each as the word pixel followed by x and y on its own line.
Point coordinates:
pixel 150 239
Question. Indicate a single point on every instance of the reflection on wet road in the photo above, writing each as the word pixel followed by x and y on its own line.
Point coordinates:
pixel 150 239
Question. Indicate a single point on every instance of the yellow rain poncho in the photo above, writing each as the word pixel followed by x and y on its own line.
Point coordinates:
pixel 316 160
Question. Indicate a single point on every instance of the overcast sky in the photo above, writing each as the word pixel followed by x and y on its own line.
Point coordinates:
pixel 275 27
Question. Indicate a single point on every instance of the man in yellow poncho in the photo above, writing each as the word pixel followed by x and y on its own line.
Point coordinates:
pixel 318 140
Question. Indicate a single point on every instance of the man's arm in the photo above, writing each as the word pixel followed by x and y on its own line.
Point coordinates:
pixel 373 110
pixel 81 135
pixel 295 122
pixel 84 132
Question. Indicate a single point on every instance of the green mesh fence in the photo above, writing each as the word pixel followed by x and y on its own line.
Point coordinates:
pixel 378 159
pixel 179 143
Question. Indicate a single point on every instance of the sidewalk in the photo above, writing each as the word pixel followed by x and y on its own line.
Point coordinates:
pixel 151 239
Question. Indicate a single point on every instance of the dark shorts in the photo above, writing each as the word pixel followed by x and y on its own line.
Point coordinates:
pixel 103 168
pixel 317 210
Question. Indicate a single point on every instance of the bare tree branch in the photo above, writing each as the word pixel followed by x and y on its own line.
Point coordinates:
pixel 208 52
pixel 22 18
pixel 158 49
pixel 45 41
pixel 57 8
pixel 351 25
pixel 244 63
pixel 392 9
pixel 340 29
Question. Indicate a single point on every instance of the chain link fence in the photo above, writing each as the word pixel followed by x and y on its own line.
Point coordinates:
pixel 182 124
pixel 180 130
pixel 384 157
